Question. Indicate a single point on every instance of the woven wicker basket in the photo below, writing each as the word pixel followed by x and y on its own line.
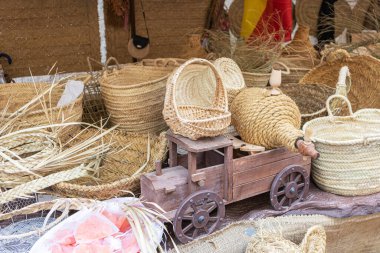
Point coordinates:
pixel 195 105
pixel 44 111
pixel 134 97
pixel 310 99
pixel 365 75
pixel 120 172
pixel 232 77
pixel 261 80
pixel 349 147
pixel 94 110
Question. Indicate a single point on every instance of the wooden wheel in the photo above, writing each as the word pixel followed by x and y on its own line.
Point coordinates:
pixel 200 213
pixel 290 186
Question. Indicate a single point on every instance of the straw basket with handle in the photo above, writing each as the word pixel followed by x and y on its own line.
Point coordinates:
pixel 133 96
pixel 349 147
pixel 195 106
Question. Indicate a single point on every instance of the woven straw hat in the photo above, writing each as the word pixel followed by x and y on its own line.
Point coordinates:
pixel 307 14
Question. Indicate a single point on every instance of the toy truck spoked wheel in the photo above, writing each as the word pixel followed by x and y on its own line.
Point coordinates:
pixel 200 213
pixel 290 186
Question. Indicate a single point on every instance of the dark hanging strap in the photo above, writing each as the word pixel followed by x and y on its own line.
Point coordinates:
pixel 143 12
pixel 325 26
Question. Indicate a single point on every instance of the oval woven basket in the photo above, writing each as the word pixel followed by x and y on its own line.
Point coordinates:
pixel 195 106
pixel 132 156
pixel 44 111
pixel 232 77
pixel 349 146
pixel 134 97
pixel 310 99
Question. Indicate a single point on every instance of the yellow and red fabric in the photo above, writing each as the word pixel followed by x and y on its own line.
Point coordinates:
pixel 262 16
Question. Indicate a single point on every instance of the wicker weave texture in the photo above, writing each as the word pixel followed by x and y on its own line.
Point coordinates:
pixel 196 103
pixel 134 97
pixel 349 146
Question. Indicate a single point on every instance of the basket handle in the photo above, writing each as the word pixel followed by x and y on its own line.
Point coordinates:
pixel 165 62
pixel 106 65
pixel 343 86
pixel 89 60
pixel 179 70
pixel 287 70
pixel 345 99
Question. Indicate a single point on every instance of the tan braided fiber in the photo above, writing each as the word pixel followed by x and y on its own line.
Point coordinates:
pixel 349 147
pixel 265 120
pixel 231 75
pixel 120 171
pixel 44 111
pixel 365 75
pixel 310 98
pixel 195 105
pixel 134 97
pixel 61 205
pixel 44 182
pixel 39 145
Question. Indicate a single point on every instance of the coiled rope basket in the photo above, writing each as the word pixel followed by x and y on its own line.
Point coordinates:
pixel 195 105
pixel 349 146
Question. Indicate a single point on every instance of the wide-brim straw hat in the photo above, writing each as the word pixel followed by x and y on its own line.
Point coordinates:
pixel 138 53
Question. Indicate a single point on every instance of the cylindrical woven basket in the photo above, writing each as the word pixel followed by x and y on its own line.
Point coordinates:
pixel 310 99
pixel 349 146
pixel 232 77
pixel 295 75
pixel 43 112
pixel 195 106
pixel 134 97
pixel 132 156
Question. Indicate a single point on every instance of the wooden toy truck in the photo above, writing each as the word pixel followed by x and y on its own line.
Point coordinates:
pixel 196 187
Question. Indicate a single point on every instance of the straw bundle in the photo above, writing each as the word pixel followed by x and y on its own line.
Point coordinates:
pixel 365 75
pixel 38 104
pixel 134 97
pixel 133 155
pixel 256 55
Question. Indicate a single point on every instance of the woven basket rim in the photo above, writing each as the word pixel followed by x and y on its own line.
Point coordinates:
pixel 114 74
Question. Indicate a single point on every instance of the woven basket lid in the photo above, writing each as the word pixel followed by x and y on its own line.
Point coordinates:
pixel 307 14
pixel 365 76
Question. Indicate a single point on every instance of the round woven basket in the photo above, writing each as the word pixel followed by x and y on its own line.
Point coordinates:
pixel 310 99
pixel 44 111
pixel 349 162
pixel 196 103
pixel 134 97
pixel 132 155
pixel 232 77
pixel 365 76
pixel 261 80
